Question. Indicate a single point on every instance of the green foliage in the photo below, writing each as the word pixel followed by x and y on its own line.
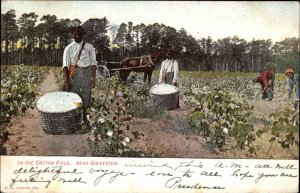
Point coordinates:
pixel 218 116
pixel 140 103
pixel 238 84
pixel 226 54
pixel 110 118
pixel 285 128
pixel 19 89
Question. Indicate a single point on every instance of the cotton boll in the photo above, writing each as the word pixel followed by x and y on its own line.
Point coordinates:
pixel 225 130
pixel 101 120
pixel 127 139
pixel 99 137
pixel 109 133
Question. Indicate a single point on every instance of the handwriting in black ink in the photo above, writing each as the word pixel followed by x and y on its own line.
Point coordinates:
pixel 235 165
pixel 220 165
pixel 263 166
pixel 154 173
pixel 213 174
pixel 56 170
pixel 28 179
pixel 35 174
pixel 113 175
pixel 263 175
pixel 75 180
pixel 237 173
pixel 187 173
pixel 288 175
pixel 151 164
pixel 176 183
pixel 189 164
pixel 291 167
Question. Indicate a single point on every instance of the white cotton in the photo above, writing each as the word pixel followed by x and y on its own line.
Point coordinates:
pixel 59 102
pixel 110 133
pixel 163 89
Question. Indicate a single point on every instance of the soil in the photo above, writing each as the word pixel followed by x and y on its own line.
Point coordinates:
pixel 162 138
pixel 27 137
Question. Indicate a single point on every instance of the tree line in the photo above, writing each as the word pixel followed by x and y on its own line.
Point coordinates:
pixel 25 41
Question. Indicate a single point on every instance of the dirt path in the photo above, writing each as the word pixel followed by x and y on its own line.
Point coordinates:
pixel 28 138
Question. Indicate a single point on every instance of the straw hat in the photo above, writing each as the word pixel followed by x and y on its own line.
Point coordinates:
pixel 289 70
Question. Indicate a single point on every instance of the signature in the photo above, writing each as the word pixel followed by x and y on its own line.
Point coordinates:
pixel 176 183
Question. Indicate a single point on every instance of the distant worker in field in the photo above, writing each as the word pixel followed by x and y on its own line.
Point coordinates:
pixel 79 68
pixel 292 80
pixel 266 79
pixel 169 71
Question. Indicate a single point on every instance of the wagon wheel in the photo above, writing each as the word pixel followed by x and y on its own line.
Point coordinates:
pixel 102 72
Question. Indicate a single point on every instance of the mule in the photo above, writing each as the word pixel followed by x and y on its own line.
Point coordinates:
pixel 144 64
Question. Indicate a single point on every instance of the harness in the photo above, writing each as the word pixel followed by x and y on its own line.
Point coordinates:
pixel 164 75
pixel 151 62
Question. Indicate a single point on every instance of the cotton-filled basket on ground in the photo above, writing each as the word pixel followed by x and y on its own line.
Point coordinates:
pixel 165 94
pixel 60 112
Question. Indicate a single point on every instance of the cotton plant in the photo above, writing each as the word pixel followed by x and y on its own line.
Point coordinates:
pixel 109 120
pixel 219 117
pixel 19 89
pixel 284 129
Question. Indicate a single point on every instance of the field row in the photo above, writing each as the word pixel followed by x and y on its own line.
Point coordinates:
pixel 19 89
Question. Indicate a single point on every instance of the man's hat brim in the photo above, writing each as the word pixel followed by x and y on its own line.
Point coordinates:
pixel 79 29
pixel 289 70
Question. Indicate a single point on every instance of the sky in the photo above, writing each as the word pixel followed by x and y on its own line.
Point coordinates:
pixel 249 20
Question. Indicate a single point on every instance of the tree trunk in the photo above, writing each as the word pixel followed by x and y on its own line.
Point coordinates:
pixel 258 64
pixel 216 64
pixel 6 52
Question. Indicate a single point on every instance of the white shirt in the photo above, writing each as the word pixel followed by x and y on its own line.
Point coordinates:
pixel 87 56
pixel 169 66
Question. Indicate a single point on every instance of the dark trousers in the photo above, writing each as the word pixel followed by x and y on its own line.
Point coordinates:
pixel 169 80
pixel 81 85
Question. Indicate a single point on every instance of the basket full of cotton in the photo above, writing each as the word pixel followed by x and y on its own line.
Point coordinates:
pixel 164 94
pixel 60 112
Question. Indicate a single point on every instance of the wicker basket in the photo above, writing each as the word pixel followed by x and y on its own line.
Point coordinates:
pixel 166 101
pixel 60 122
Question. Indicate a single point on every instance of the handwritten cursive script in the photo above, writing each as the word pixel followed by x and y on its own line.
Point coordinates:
pixel 111 173
pixel 33 175
pixel 176 182
pixel 182 174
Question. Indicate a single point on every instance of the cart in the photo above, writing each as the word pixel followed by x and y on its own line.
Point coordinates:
pixel 107 69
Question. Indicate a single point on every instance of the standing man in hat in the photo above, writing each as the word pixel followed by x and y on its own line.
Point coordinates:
pixel 169 71
pixel 292 80
pixel 266 79
pixel 79 68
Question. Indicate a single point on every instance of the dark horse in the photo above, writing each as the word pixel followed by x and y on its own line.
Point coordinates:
pixel 144 64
